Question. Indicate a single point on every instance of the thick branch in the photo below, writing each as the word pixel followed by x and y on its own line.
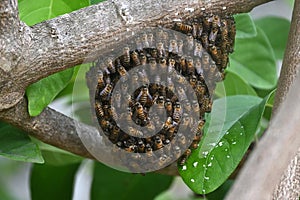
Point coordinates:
pixel 274 152
pixel 81 36
pixel 50 127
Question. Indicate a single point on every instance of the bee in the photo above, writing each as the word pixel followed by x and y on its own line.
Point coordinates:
pixel 124 88
pixel 180 47
pixel 143 59
pixel 143 77
pixel 182 66
pixel 206 104
pixel 135 58
pixel 224 61
pixel 144 97
pixel 198 49
pixel 204 40
pixel 169 107
pixel 145 42
pixel 216 22
pixel 158 142
pixel 168 123
pixel 160 49
pixel 100 79
pixel 99 109
pixel 197 30
pixel 106 92
pixel 184 157
pixel 184 28
pixel 140 113
pixel 150 40
pixel 177 151
pixel 126 57
pixel 190 66
pixel 213 34
pixel 122 71
pixel 206 22
pixel 181 93
pixel 171 65
pixel 216 54
pixel 139 45
pixel 153 68
pixel 205 61
pixel 105 125
pixel 163 64
pixel 110 66
pixel 181 139
pixel 140 146
pixel 113 137
pixel 112 112
pixel 198 66
pixel 177 112
pixel 129 145
pixel 151 126
pixel 193 81
pixel 190 42
pixel 173 46
pixel 195 106
pixel 160 105
pixel 200 89
pixel 185 121
pixel 153 53
pixel 135 132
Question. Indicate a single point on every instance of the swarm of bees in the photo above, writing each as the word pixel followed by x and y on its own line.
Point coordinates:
pixel 200 57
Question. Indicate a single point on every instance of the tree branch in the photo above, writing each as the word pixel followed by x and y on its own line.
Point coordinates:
pixel 262 172
pixel 81 36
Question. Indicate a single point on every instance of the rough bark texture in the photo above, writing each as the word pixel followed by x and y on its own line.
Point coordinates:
pixel 266 175
pixel 71 39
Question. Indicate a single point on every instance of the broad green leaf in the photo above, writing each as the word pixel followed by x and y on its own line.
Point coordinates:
pixel 55 156
pixel 220 152
pixel 112 184
pixel 32 11
pixel 245 27
pixel 215 195
pixel 277 30
pixel 41 93
pixel 50 182
pixel 233 85
pixel 254 61
pixel 225 113
pixel 16 145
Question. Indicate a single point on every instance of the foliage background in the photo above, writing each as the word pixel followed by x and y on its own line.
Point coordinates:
pixel 256 46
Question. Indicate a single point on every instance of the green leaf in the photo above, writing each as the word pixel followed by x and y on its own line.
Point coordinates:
pixel 224 143
pixel 41 93
pixel 254 61
pixel 277 31
pixel 32 11
pixel 49 182
pixel 111 184
pixel 245 27
pixel 55 156
pixel 16 145
pixel 233 85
